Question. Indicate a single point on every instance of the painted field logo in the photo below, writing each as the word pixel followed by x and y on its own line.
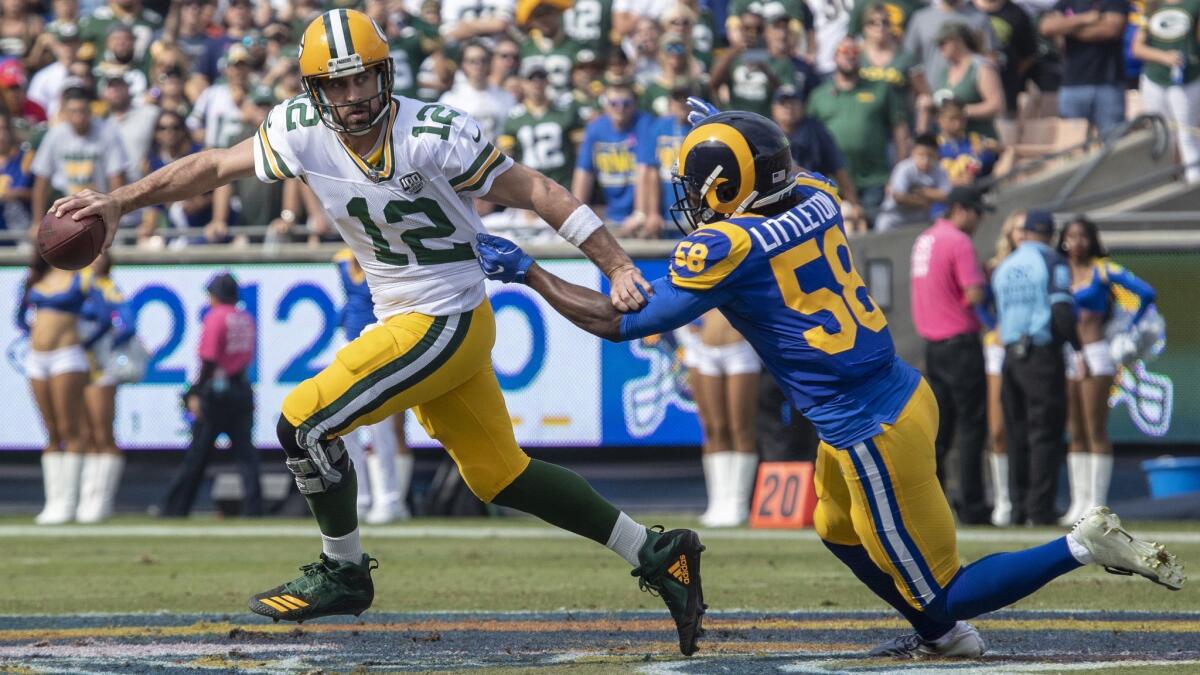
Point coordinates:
pixel 412 183
pixel 680 571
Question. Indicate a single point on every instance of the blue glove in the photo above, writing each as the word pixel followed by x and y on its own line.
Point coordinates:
pixel 501 259
pixel 701 110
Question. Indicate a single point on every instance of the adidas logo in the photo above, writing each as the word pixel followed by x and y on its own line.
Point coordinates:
pixel 680 571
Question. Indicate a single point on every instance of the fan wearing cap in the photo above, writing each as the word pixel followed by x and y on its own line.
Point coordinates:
pixel 587 83
pixel 12 89
pixel 542 133
pixel 220 401
pixel 216 119
pixel 814 149
pixel 800 20
pixel 548 44
pixel 1035 317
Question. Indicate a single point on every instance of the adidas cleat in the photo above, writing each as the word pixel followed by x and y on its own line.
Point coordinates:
pixel 1118 552
pixel 327 588
pixel 962 642
pixel 670 569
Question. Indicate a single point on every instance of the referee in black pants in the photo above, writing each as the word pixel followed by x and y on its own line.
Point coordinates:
pixel 1036 316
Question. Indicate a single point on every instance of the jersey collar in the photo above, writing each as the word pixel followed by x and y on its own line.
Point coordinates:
pixel 387 168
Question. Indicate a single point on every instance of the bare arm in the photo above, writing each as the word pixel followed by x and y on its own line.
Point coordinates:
pixel 992 92
pixel 581 185
pixel 1056 24
pixel 722 67
pixel 1145 52
pixel 182 179
pixel 37 201
pixel 469 29
pixel 1110 27
pixel 523 188
pixel 583 307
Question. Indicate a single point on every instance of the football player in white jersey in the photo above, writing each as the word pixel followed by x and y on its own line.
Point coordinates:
pixel 397 177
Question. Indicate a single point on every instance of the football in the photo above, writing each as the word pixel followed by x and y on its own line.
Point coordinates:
pixel 70 244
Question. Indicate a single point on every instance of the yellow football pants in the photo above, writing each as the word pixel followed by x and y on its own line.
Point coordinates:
pixel 883 494
pixel 439 366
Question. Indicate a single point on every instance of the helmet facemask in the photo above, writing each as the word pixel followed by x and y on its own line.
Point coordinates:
pixel 332 114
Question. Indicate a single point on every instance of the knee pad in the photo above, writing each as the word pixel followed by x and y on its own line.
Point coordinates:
pixel 318 467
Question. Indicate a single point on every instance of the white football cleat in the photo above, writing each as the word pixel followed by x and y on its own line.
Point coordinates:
pixel 962 642
pixel 1118 552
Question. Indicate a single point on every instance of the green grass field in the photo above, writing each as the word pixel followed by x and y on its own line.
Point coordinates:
pixel 533 568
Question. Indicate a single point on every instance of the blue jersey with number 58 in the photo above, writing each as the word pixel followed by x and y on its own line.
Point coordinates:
pixel 788 284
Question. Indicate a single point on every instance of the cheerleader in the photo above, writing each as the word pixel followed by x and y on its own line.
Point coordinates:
pixel 724 372
pixel 1101 288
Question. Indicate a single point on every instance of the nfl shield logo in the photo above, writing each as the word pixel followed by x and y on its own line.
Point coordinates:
pixel 412 183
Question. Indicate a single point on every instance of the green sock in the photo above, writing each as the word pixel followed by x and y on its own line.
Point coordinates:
pixel 337 511
pixel 562 498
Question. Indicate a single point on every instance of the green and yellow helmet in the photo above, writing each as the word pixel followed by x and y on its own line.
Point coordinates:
pixel 731 163
pixel 339 43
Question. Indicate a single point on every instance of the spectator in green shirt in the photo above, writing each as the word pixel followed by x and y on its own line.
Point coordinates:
pixel 863 117
pixel 751 72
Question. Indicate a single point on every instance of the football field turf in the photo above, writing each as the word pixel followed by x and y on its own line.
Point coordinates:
pixel 512 595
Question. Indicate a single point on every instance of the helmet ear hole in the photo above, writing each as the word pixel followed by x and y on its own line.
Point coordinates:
pixel 727 191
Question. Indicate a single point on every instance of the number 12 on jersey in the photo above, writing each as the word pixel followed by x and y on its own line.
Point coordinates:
pixel 415 238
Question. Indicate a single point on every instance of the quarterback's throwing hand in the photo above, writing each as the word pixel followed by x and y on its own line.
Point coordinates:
pixel 501 259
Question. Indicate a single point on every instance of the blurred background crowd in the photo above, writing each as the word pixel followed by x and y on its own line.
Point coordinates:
pixel 591 92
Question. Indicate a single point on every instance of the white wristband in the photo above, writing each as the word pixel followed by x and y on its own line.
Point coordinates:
pixel 580 225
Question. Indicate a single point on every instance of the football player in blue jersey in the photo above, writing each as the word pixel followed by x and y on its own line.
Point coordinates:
pixel 769 251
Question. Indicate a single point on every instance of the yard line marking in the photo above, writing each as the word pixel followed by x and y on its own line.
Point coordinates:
pixel 494 532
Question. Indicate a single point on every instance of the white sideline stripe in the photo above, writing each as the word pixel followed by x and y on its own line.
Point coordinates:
pixel 1011 537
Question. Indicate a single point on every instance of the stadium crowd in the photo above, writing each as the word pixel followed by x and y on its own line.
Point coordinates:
pixel 590 92
pixel 899 102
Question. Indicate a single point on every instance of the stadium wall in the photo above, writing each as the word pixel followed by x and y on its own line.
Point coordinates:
pixel 564 388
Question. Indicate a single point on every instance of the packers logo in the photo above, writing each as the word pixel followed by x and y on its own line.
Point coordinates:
pixel 1170 24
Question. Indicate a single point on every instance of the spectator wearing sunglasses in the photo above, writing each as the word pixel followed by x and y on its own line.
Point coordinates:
pixel 882 59
pixel 506 61
pixel 608 157
pixel 749 74
pixel 696 25
pixel 677 68
pixel 171 141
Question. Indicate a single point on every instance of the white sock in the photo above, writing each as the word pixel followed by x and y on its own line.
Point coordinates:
pixel 1079 473
pixel 999 477
pixel 746 470
pixel 1101 475
pixel 347 548
pixel 627 539
pixel 1079 551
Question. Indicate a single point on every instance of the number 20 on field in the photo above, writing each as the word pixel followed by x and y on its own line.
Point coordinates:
pixel 784 496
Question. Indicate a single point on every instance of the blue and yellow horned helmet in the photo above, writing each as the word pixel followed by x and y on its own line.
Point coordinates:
pixel 341 43
pixel 731 163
